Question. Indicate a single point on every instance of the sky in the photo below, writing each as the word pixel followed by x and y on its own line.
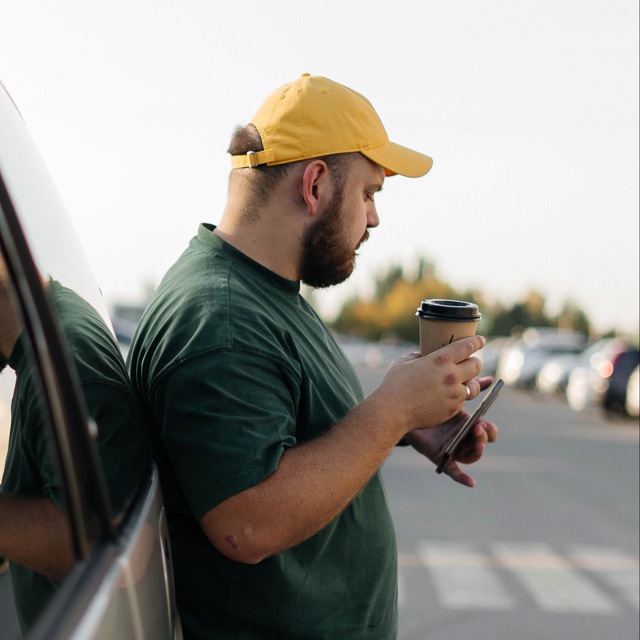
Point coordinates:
pixel 529 109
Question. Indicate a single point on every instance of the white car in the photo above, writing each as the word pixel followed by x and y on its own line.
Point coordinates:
pixel 521 361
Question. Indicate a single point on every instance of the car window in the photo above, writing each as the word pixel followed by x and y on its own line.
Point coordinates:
pixel 72 450
pixel 36 537
pixel 112 410
pixel 33 486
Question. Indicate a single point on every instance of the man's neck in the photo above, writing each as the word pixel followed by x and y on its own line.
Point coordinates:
pixel 270 239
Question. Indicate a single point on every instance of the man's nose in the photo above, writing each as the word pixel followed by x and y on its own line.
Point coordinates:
pixel 372 218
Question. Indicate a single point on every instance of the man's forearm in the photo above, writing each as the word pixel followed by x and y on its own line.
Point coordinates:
pixel 35 533
pixel 314 482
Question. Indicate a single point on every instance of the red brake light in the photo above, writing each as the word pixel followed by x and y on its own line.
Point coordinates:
pixel 605 369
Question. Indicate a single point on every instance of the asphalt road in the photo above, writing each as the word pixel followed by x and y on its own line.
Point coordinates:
pixel 544 547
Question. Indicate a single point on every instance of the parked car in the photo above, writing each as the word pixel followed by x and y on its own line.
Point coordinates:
pixel 521 361
pixel 491 352
pixel 553 377
pixel 72 442
pixel 632 402
pixel 588 380
pixel 614 400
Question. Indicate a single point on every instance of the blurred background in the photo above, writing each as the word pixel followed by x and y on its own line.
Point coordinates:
pixel 530 111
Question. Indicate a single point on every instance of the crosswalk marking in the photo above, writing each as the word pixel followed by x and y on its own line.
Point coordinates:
pixel 577 580
pixel 617 569
pixel 462 577
pixel 551 580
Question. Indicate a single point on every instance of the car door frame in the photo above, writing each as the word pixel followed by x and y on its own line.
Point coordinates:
pixel 83 488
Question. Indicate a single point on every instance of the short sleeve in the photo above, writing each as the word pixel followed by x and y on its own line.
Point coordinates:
pixel 225 418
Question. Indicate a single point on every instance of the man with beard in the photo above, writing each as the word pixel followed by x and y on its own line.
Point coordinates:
pixel 268 450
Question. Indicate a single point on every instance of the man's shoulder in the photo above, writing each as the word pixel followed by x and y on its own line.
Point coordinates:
pixel 206 302
pixel 207 286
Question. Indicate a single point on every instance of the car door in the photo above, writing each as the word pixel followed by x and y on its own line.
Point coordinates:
pixel 82 524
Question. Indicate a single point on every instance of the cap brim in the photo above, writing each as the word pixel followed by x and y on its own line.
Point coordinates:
pixel 395 158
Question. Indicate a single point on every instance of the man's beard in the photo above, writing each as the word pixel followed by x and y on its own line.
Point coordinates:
pixel 327 259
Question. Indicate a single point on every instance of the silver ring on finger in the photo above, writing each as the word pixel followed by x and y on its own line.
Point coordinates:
pixel 468 391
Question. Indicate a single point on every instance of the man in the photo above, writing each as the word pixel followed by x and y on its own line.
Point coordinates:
pixel 268 451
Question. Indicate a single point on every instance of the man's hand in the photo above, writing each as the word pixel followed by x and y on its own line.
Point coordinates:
pixel 424 392
pixel 432 443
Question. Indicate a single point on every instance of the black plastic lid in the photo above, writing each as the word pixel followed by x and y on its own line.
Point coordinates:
pixel 456 310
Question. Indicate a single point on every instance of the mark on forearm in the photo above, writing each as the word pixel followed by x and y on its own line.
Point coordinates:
pixel 232 541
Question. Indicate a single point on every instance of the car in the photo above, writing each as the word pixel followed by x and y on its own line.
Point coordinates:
pixel 632 402
pixel 614 400
pixel 521 361
pixel 90 559
pixel 491 352
pixel 553 377
pixel 587 383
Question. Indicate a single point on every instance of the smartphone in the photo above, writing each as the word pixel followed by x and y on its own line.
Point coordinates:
pixel 481 409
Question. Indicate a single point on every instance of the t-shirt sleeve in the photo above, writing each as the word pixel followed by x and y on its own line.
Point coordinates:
pixel 120 446
pixel 225 419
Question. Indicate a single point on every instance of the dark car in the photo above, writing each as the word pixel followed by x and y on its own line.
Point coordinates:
pixel 614 400
pixel 632 403
pixel 87 555
pixel 588 380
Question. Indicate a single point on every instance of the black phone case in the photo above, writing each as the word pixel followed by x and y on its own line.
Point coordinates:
pixel 481 409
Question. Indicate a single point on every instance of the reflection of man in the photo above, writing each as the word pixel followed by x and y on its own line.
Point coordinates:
pixel 34 528
pixel 268 450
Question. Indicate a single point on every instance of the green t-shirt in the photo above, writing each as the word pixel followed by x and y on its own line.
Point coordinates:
pixel 31 468
pixel 235 367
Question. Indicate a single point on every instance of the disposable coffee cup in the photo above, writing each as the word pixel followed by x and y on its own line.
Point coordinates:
pixel 445 321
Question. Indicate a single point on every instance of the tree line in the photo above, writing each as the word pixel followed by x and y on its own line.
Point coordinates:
pixel 390 311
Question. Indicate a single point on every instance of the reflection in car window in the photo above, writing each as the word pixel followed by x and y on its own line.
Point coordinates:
pixel 35 535
pixel 107 392
pixel 38 544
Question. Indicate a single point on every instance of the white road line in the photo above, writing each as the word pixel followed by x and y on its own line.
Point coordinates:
pixel 463 578
pixel 551 579
pixel 617 569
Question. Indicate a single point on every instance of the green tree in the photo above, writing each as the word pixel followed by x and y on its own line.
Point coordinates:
pixel 390 312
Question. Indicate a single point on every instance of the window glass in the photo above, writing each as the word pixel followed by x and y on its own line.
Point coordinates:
pixel 35 533
pixel 109 402
pixel 36 537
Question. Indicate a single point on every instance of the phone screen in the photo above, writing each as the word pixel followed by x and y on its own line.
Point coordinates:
pixel 481 409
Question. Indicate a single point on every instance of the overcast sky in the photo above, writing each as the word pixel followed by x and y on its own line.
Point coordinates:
pixel 528 107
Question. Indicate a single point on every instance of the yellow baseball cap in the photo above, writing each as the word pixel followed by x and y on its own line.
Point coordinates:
pixel 313 117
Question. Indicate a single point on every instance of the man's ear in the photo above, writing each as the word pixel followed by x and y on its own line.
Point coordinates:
pixel 316 186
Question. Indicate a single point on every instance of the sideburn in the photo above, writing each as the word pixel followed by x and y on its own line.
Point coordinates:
pixel 327 260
